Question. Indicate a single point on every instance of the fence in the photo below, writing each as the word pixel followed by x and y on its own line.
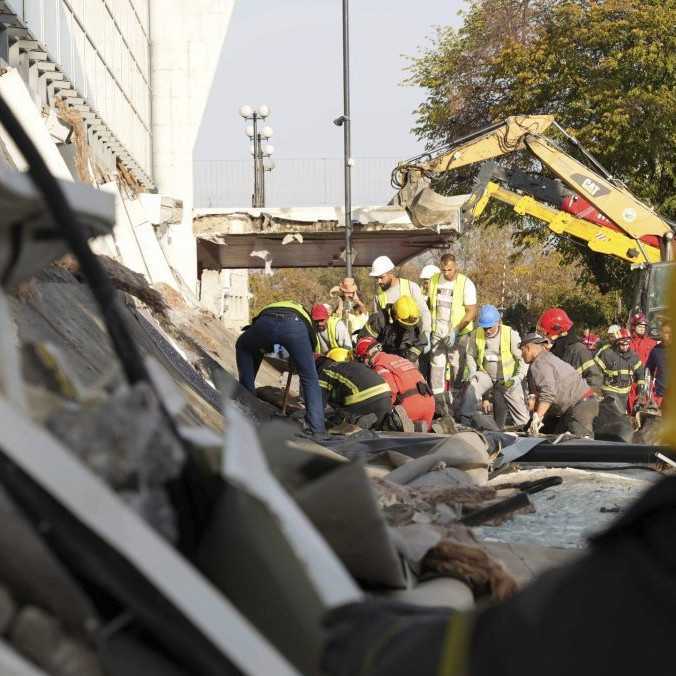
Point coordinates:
pixel 300 182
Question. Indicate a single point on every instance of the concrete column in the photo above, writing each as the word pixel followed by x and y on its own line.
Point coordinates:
pixel 186 37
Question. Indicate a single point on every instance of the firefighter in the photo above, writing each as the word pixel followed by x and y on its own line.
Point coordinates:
pixel 557 326
pixel 391 288
pixel 453 305
pixel 494 362
pixel 358 394
pixel 657 363
pixel 560 399
pixel 401 333
pixel 410 392
pixel 641 343
pixel 285 323
pixel 620 367
pixel 331 330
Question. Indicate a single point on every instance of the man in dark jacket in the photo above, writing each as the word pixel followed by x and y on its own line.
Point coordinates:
pixel 657 363
pixel 621 367
pixel 398 331
pixel 357 393
pixel 556 325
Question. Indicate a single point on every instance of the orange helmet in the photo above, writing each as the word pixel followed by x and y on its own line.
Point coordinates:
pixel 554 322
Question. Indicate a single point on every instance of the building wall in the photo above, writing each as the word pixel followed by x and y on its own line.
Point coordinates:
pixel 186 40
pixel 103 47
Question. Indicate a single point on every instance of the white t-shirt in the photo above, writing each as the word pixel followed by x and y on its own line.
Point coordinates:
pixel 445 298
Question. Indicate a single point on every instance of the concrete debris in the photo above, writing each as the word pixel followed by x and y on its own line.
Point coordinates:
pixel 125 441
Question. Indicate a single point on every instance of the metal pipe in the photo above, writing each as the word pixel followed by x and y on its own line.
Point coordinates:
pixel 347 141
pixel 254 201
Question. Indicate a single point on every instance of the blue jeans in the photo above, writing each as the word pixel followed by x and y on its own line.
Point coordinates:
pixel 289 331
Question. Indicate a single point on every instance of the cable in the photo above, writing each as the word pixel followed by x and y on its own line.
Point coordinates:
pixel 66 220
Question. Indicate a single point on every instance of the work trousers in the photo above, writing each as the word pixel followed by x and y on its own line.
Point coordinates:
pixel 289 331
pixel 380 406
pixel 440 357
pixel 579 419
pixel 480 384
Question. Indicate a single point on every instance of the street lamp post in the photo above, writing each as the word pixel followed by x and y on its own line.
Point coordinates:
pixel 261 150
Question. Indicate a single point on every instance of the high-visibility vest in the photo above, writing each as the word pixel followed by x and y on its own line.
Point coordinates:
pixel 404 290
pixel 331 326
pixel 509 365
pixel 457 305
pixel 296 307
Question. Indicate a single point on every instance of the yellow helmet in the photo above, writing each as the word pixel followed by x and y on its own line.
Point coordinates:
pixel 406 311
pixel 339 354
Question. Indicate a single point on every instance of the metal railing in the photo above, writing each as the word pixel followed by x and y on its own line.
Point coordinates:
pixel 295 182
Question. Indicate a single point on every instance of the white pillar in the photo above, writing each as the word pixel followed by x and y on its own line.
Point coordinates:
pixel 186 39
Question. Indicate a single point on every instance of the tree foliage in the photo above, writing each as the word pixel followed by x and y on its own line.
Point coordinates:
pixel 605 68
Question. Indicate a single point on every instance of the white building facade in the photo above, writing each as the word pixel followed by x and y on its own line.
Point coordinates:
pixel 137 73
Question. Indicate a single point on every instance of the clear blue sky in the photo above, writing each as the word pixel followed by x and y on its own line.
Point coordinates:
pixel 287 54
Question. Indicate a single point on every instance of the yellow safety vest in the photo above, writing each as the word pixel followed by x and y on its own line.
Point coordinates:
pixel 296 307
pixel 457 306
pixel 331 326
pixel 506 357
pixel 404 290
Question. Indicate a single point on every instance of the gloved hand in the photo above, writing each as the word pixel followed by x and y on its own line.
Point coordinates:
pixel 486 407
pixel 509 384
pixel 386 637
pixel 449 340
pixel 535 425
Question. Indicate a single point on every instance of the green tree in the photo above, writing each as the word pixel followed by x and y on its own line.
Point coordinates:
pixel 605 69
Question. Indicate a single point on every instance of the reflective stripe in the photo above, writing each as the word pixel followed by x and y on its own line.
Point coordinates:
pixel 456 647
pixel 324 384
pixel 368 393
pixel 370 330
pixel 457 307
pixel 415 349
pixel 618 390
pixel 506 356
pixel 586 365
pixel 404 290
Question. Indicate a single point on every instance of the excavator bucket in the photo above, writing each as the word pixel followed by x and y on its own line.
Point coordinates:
pixel 425 207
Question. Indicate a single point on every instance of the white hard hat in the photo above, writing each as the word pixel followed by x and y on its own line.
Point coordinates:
pixel 428 271
pixel 613 330
pixel 380 266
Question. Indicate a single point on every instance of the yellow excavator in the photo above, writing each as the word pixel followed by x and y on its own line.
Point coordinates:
pixel 584 204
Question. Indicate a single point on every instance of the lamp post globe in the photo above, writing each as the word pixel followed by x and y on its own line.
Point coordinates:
pixel 267 132
pixel 263 111
pixel 246 112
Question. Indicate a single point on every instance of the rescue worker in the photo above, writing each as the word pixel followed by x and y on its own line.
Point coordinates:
pixel 560 399
pixel 620 367
pixel 401 334
pixel 391 288
pixel 358 394
pixel 425 275
pixel 494 362
pixel 350 307
pixel 556 325
pixel 453 306
pixel 288 324
pixel 642 344
pixel 590 340
pixel 657 363
pixel 408 386
pixel 331 330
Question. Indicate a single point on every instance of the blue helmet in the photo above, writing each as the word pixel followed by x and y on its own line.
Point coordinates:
pixel 488 316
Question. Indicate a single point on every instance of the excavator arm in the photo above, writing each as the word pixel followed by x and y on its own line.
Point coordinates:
pixel 633 218
pixel 598 238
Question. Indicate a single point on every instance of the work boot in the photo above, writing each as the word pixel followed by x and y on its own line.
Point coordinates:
pixel 442 405
pixel 406 423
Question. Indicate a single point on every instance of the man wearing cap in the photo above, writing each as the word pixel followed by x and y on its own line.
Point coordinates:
pixel 391 288
pixel 331 330
pixel 453 306
pixel 494 362
pixel 425 275
pixel 350 307
pixel 560 398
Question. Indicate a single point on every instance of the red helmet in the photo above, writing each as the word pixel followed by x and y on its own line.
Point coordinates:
pixel 622 334
pixel 363 346
pixel 554 321
pixel 638 318
pixel 319 312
